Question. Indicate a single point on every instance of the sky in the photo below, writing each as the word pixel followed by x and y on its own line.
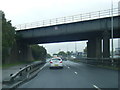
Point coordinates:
pixel 27 11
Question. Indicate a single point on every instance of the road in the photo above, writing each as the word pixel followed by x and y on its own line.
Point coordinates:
pixel 74 75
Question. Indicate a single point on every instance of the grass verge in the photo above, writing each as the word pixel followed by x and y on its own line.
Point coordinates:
pixel 108 67
pixel 14 64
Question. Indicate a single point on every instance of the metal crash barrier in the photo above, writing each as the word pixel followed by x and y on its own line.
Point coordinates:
pixel 24 74
pixel 101 61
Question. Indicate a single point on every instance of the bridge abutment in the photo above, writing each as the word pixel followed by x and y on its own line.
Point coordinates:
pixel 20 52
pixel 24 52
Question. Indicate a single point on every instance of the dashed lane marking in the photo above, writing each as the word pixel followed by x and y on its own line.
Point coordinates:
pixel 96 87
pixel 65 65
pixel 76 73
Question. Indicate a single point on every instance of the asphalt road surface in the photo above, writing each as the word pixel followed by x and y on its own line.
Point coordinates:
pixel 74 75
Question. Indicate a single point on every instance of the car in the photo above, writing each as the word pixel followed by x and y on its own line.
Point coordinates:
pixel 56 63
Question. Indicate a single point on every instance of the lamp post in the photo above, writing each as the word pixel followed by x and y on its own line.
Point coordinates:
pixel 67 50
pixel 112 27
pixel 75 47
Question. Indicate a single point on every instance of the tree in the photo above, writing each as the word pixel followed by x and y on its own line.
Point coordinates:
pixel 62 53
pixel 39 52
pixel 85 50
pixel 48 56
pixel 8 37
pixel 68 53
pixel 55 54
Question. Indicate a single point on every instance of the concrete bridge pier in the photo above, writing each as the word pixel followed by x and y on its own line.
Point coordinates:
pixel 106 44
pixel 94 46
pixel 94 49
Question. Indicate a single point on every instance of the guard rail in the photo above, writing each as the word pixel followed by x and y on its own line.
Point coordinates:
pixel 22 75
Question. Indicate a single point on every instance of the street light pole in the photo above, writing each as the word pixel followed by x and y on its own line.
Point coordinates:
pixel 112 27
pixel 67 51
pixel 75 47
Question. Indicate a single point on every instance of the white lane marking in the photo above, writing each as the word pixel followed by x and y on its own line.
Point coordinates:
pixel 75 72
pixel 96 87
pixel 42 67
pixel 65 65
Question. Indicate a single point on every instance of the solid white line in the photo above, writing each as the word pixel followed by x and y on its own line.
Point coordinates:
pixel 96 87
pixel 75 72
pixel 42 67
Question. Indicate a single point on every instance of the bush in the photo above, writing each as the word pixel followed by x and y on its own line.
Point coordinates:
pixel 8 37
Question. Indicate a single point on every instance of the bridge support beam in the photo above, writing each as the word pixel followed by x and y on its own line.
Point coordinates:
pixel 106 44
pixel 94 49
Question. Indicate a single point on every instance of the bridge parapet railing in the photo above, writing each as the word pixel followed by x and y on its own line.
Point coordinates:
pixel 70 19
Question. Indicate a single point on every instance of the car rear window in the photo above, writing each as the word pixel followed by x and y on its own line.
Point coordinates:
pixel 56 59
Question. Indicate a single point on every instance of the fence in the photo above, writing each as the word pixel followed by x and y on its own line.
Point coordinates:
pixel 101 61
pixel 70 19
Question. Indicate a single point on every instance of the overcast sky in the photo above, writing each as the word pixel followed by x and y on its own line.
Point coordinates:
pixel 26 11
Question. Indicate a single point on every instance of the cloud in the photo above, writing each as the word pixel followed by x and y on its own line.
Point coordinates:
pixel 26 11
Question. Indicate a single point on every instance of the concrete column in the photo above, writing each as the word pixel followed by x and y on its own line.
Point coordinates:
pixel 98 47
pixel 94 49
pixel 88 49
pixel 106 44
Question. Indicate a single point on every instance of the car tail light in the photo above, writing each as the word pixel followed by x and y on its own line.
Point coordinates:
pixel 50 62
pixel 60 61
